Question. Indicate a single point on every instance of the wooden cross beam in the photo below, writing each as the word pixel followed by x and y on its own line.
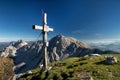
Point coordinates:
pixel 45 29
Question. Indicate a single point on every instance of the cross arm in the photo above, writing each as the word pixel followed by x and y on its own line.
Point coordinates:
pixel 37 27
pixel 50 29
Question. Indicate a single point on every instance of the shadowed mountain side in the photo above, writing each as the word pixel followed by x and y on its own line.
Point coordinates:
pixel 28 57
pixel 60 47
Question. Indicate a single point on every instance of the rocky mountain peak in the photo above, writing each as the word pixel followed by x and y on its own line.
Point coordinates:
pixel 10 51
pixel 66 41
pixel 19 44
pixel 61 47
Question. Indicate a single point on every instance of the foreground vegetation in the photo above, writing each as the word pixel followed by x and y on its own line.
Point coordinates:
pixel 6 68
pixel 78 68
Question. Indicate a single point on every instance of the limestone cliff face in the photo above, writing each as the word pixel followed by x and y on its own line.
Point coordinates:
pixel 61 47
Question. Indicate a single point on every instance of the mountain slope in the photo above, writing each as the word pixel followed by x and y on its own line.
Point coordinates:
pixel 78 68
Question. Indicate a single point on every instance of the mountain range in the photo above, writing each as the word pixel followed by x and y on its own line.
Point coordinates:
pixel 27 56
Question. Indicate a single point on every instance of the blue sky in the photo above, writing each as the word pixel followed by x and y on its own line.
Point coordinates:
pixel 82 19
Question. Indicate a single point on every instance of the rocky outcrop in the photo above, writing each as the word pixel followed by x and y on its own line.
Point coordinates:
pixel 110 59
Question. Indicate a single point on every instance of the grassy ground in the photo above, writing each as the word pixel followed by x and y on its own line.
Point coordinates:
pixel 6 68
pixel 77 68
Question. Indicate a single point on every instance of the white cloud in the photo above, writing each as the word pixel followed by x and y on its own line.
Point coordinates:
pixel 4 39
pixel 105 44
pixel 103 41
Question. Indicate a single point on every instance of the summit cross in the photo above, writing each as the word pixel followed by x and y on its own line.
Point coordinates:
pixel 45 29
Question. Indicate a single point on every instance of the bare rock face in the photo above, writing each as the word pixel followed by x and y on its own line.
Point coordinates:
pixel 63 47
pixel 53 56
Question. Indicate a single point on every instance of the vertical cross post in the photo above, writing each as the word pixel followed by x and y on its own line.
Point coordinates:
pixel 45 29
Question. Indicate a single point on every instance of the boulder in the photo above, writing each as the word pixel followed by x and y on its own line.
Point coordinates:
pixel 110 59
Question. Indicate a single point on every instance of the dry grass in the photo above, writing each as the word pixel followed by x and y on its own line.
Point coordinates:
pixel 6 68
